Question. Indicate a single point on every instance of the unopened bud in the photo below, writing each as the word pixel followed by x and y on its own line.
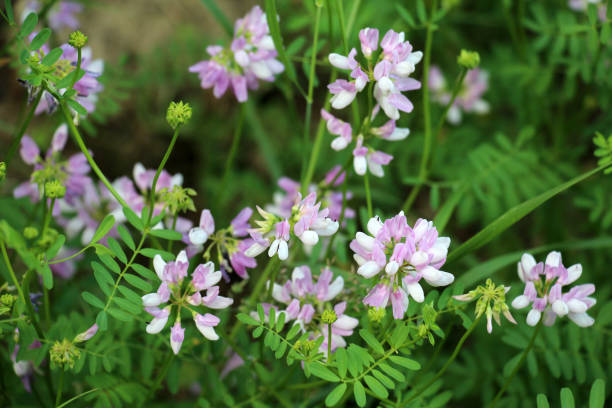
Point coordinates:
pixel 178 114
pixel 2 171
pixel 30 232
pixel 329 316
pixel 376 314
pixel 468 59
pixel 77 39
pixel 55 189
pixel 64 353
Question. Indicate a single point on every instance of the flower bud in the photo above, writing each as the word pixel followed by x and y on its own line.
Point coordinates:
pixel 376 314
pixel 87 334
pixel 64 353
pixel 7 300
pixel 77 39
pixel 54 189
pixel 178 114
pixel 30 232
pixel 468 59
pixel 2 171
pixel 329 316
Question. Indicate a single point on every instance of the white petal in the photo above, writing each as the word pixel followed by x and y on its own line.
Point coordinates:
pixel 560 308
pixel 157 325
pixel 374 226
pixel 366 241
pixel 309 238
pixel 334 288
pixel 182 257
pixel 576 306
pixel 533 317
pixel 273 248
pixel 360 164
pixel 151 300
pixel 553 259
pixel 573 273
pixel 520 302
pixel 159 264
pixel 197 236
pixel 581 319
pixel 416 292
pixel 339 61
pixel 392 268
pixel 208 332
pixel 283 250
pixel 220 302
pixel 368 269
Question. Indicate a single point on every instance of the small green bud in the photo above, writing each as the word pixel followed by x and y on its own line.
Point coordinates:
pixel 376 314
pixel 468 59
pixel 179 199
pixel 64 353
pixel 77 39
pixel 329 316
pixel 2 171
pixel 55 189
pixel 178 114
pixel 7 299
pixel 30 232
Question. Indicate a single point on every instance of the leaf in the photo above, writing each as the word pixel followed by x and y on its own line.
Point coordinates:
pixel 376 387
pixel 406 362
pixel 137 282
pixel 40 39
pixel 57 245
pixel 52 57
pixel 396 374
pixel 144 272
pixel 102 321
pixel 106 225
pixel 258 332
pixel 341 361
pixel 127 305
pixel 28 24
pixel 280 322
pixel 542 401
pixel 78 108
pixel 104 279
pixel 334 396
pixel 597 397
pixel 399 335
pixel 295 329
pixel 120 314
pixel 9 11
pixel 167 234
pixel 92 300
pixel 133 218
pixel 261 313
pixel 359 393
pixel 117 250
pixel 371 340
pixel 567 398
pixel 151 252
pixel 386 381
pixel 513 215
pixel 246 319
pixel 47 276
pixel 110 263
pixel 319 370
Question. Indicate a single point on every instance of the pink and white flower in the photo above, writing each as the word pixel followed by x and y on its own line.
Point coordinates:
pixel 406 255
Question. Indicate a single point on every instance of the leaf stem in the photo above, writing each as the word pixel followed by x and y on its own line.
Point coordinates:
pixel 366 183
pixel 58 397
pixel 232 153
pixel 78 67
pixel 158 172
pixel 517 366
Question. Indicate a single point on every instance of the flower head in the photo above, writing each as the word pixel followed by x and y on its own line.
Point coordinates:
pixel 492 300
pixel 544 283
pixel 406 255
pixel 250 58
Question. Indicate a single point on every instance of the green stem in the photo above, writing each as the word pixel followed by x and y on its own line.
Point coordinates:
pixel 456 89
pixel 329 341
pixel 340 11
pixel 448 362
pixel 24 126
pixel 70 257
pixel 341 219
pixel 71 400
pixel 311 77
pixel 426 109
pixel 366 183
pixel 90 160
pixel 158 172
pixel 162 374
pixel 47 218
pixel 58 398
pixel 12 273
pixel 232 153
pixel 171 242
pixel 517 366
pixel 76 71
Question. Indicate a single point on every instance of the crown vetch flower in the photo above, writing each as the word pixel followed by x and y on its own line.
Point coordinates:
pixel 71 173
pixel 544 284
pixel 306 299
pixel 406 254
pixel 250 58
pixel 307 222
pixel 390 71
pixel 172 275
pixel 492 300
pixel 469 99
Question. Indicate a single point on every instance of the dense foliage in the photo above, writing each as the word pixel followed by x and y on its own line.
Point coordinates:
pixel 326 202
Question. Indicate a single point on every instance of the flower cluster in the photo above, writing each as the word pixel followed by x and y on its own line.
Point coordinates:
pixel 406 255
pixel 250 58
pixel 544 284
pixel 307 222
pixel 469 99
pixel 171 289
pixel 230 242
pixel 390 70
pixel 492 300
pixel 364 157
pixel 306 299
pixel 72 173
pixel 332 200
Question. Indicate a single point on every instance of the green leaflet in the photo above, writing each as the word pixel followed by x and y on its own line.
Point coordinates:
pixel 513 215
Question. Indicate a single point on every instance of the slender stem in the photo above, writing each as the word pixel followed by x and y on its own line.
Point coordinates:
pixel 329 341
pixel 159 378
pixel 366 183
pixel 47 218
pixel 71 400
pixel 158 172
pixel 92 163
pixel 78 67
pixel 448 362
pixel 171 242
pixel 24 126
pixel 330 245
pixel 340 11
pixel 456 89
pixel 517 366
pixel 12 273
pixel 271 282
pixel 47 306
pixel 426 107
pixel 311 77
pixel 58 398
pixel 70 257
pixel 232 153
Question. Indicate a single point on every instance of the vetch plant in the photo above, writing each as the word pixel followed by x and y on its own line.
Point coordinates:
pixel 132 276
